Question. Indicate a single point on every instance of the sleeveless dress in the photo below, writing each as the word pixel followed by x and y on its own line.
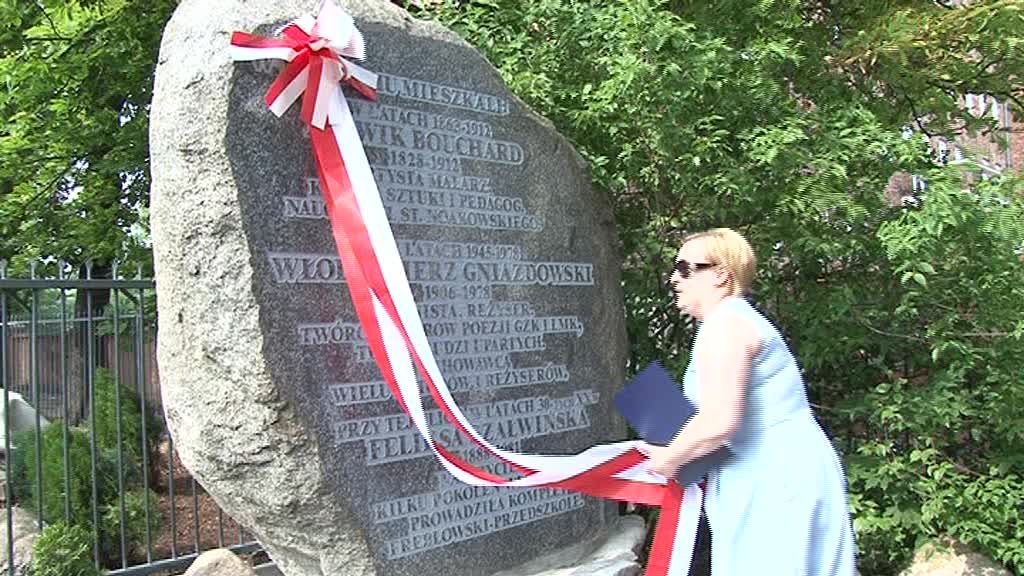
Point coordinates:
pixel 778 507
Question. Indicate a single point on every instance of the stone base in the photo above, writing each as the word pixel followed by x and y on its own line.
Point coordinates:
pixel 219 562
pixel 952 558
pixel 26 531
pixel 614 555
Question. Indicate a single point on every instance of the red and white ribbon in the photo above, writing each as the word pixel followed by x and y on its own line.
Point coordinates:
pixel 318 51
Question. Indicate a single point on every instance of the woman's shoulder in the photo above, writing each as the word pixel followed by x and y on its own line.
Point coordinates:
pixel 735 320
pixel 733 310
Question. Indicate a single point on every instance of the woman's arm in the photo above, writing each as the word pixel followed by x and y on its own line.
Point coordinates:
pixel 725 356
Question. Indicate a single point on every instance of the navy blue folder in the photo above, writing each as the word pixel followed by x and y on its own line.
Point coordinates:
pixel 656 408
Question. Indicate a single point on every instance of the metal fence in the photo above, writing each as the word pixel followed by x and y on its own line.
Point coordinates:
pixel 85 442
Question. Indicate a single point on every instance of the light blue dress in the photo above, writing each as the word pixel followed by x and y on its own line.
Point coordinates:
pixel 778 506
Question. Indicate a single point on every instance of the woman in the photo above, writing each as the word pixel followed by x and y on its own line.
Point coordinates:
pixel 778 506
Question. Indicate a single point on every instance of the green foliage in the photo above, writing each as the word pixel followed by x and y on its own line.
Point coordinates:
pixel 779 118
pixel 785 120
pixel 18 485
pixel 135 503
pixel 73 502
pixel 76 83
pixel 127 438
pixel 53 488
pixel 948 461
pixel 63 550
pixel 924 56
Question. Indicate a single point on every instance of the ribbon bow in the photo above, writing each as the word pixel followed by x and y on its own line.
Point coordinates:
pixel 317 51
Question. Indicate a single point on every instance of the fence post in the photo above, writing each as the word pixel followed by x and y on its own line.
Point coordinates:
pixel 4 354
pixel 34 379
pixel 141 388
pixel 90 379
pixel 64 389
pixel 116 371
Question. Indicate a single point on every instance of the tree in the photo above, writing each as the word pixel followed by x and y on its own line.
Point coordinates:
pixel 74 154
pixel 77 82
pixel 786 119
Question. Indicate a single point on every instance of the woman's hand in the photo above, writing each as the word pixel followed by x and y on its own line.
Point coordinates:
pixel 661 459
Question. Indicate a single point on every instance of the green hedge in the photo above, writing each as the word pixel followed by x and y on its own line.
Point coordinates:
pixel 63 550
pixel 66 489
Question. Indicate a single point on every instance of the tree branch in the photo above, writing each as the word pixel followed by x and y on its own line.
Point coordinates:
pixel 982 66
pixel 40 160
pixel 890 334
pixel 917 117
pixel 1010 96
pixel 92 155
pixel 964 469
pixel 53 26
pixel 45 39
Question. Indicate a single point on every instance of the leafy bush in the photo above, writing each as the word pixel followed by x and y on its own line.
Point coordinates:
pixel 135 502
pixel 107 398
pixel 939 452
pixel 18 485
pixel 63 550
pixel 73 503
pixel 53 490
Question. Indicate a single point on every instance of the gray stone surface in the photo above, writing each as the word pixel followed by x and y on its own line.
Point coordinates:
pixel 612 555
pixel 274 403
pixel 952 558
pixel 19 416
pixel 268 569
pixel 25 530
pixel 219 562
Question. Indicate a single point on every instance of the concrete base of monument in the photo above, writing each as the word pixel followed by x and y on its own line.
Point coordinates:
pixel 615 554
pixel 612 554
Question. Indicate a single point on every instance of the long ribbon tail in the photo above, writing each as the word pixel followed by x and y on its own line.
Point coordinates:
pixel 676 534
pixel 370 237
pixel 340 171
pixel 344 214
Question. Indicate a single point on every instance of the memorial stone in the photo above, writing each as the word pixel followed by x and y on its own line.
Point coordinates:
pixel 270 390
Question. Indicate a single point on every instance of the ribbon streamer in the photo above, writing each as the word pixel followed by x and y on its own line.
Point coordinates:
pixel 319 52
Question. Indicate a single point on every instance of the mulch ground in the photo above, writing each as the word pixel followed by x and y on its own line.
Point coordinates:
pixel 191 521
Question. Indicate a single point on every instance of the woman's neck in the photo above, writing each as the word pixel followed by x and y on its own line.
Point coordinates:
pixel 711 304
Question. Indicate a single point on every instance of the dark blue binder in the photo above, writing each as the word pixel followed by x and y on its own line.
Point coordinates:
pixel 656 408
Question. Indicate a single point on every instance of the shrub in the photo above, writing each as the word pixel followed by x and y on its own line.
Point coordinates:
pixel 63 550
pixel 54 488
pixel 131 435
pixel 18 485
pixel 134 525
pixel 66 490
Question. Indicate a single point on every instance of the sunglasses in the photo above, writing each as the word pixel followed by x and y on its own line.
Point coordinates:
pixel 686 268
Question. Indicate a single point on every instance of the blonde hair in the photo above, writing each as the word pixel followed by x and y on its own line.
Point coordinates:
pixel 729 249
